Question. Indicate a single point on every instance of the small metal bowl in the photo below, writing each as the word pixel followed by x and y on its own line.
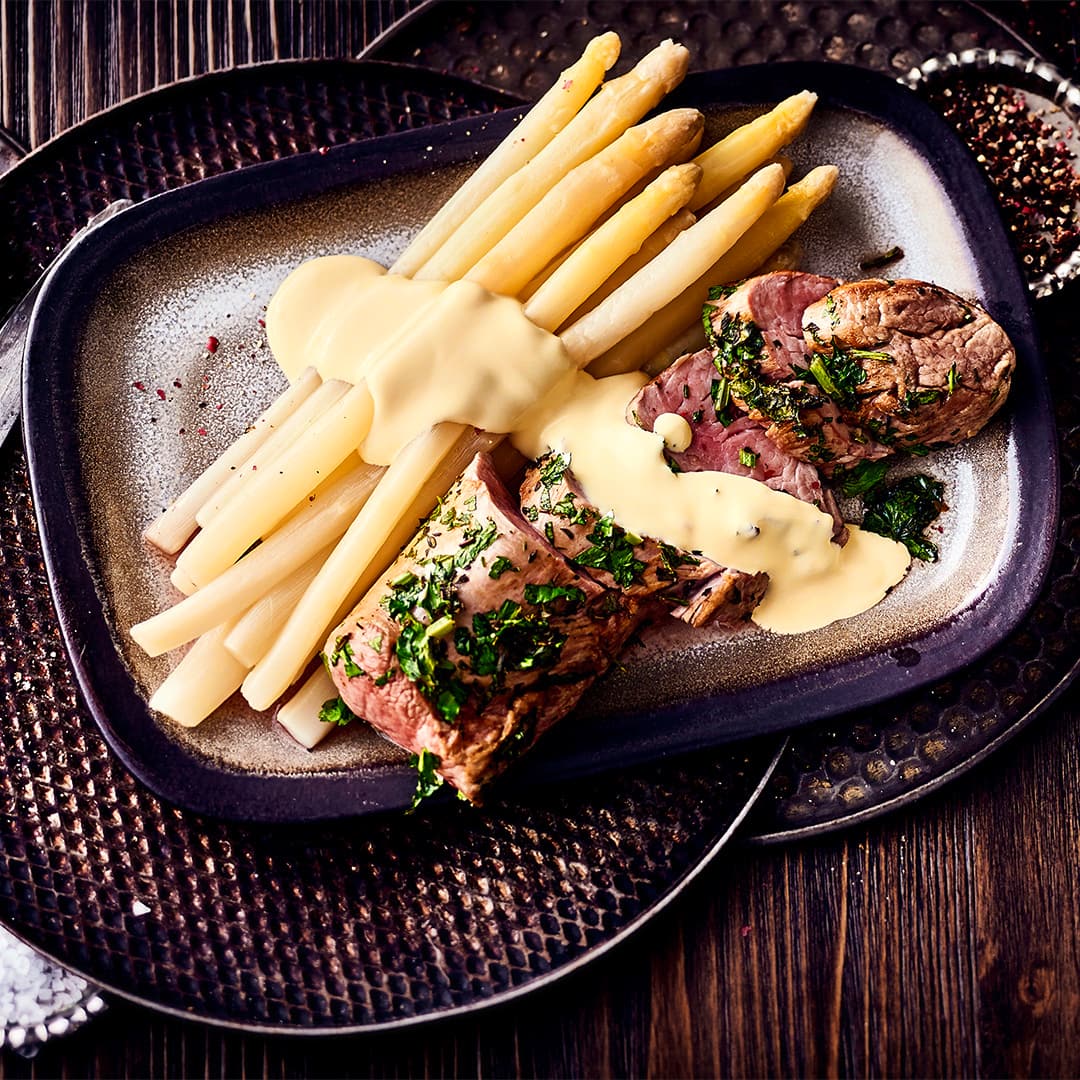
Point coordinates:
pixel 1046 91
pixel 38 1000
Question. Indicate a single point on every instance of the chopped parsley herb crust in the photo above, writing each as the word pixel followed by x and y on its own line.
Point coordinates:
pixel 903 510
pixel 738 346
pixel 508 639
pixel 613 550
pixel 513 637
pixel 722 292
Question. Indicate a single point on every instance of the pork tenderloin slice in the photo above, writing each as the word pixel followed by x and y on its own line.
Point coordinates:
pixel 727 599
pixel 645 570
pixel 775 304
pixel 935 367
pixel 480 638
pixel 639 567
pixel 687 388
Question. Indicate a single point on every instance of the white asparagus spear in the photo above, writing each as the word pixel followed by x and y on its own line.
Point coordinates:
pixel 746 256
pixel 172 530
pixel 313 528
pixel 567 212
pixel 604 118
pixel 299 716
pixel 750 145
pixel 602 252
pixel 688 256
pixel 317 405
pixel 271 495
pixel 256 629
pixel 537 128
pixel 208 675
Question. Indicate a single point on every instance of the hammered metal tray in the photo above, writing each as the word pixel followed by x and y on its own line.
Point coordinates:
pixel 79 838
pixel 332 927
pixel 875 760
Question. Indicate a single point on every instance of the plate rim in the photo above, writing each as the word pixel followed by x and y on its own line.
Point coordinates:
pixel 257 797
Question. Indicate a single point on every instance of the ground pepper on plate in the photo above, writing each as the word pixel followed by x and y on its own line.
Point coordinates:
pixel 1029 162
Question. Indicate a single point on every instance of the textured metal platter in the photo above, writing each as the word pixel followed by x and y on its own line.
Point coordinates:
pixel 205 260
pixel 330 928
pixel 870 761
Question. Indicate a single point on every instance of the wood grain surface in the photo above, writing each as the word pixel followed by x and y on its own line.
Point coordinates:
pixel 944 940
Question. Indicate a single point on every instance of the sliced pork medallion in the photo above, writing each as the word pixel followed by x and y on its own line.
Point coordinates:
pixel 692 587
pixel 774 303
pixel 481 637
pixel 887 365
pixel 722 439
pixel 797 414
pixel 911 362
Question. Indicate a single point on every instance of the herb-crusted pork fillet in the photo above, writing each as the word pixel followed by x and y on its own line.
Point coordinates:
pixel 886 365
pixel 932 367
pixel 482 637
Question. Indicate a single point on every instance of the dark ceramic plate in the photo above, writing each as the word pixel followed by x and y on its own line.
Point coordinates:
pixel 128 315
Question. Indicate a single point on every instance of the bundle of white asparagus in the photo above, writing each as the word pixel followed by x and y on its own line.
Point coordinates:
pixel 609 230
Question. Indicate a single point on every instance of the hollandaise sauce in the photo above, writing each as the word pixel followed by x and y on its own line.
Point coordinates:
pixel 431 352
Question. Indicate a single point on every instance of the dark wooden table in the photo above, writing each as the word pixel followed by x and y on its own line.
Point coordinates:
pixel 942 940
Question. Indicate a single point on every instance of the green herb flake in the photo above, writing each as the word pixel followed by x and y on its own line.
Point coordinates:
pixel 343 655
pixel 553 469
pixel 428 781
pixel 545 595
pixel 860 478
pixel 952 380
pixel 478 540
pixel 903 510
pixel 335 711
pixel 500 566
pixel 747 457
pixel 876 262
pixel 838 373
pixel 915 398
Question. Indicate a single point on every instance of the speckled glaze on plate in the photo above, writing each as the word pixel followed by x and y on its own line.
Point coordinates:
pixel 203 261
